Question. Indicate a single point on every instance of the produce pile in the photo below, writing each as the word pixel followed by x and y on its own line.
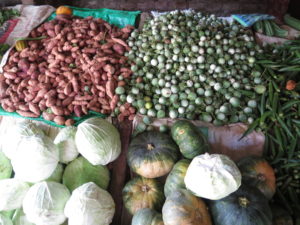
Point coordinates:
pixel 46 181
pixel 195 182
pixel 189 65
pixel 73 69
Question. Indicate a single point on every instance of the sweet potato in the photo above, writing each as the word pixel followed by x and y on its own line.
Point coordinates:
pixel 60 120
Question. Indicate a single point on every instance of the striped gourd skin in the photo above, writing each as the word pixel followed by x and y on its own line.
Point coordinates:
pixel 20 45
pixel 152 154
pixel 182 207
pixel 141 193
pixel 175 179
pixel 147 217
pixel 190 141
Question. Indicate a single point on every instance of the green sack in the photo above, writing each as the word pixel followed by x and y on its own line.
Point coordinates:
pixel 115 17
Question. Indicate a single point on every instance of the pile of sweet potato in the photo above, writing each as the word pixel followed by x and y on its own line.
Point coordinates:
pixel 74 70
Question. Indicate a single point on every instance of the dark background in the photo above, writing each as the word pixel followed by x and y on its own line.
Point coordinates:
pixel 218 7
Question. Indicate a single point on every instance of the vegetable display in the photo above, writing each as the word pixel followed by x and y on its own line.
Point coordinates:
pixel 141 193
pixel 188 65
pixel 72 71
pixel 7 14
pixel 182 207
pixel 212 176
pixel 246 206
pixel 152 154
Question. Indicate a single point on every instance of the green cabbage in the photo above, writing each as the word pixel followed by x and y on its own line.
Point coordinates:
pixel 80 171
pixel 4 220
pixel 44 203
pixel 12 193
pixel 98 141
pixel 19 218
pixel 90 205
pixel 5 167
pixel 36 159
pixel 65 141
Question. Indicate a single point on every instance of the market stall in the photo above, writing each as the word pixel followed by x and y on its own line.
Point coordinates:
pixel 177 118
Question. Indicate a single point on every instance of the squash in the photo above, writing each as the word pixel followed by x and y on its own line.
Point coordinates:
pixel 142 193
pixel 147 217
pixel 152 154
pixel 246 206
pixel 191 142
pixel 20 45
pixel 257 172
pixel 182 207
pixel 281 216
pixel 175 179
pixel 64 10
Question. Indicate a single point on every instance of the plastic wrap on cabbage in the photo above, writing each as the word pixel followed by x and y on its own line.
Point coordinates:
pixel 19 218
pixel 4 220
pixel 44 203
pixel 98 141
pixel 36 159
pixel 56 176
pixel 90 205
pixel 65 141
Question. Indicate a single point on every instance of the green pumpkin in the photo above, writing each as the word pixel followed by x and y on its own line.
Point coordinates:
pixel 246 206
pixel 191 142
pixel 257 172
pixel 281 216
pixel 175 179
pixel 182 207
pixel 147 217
pixel 152 154
pixel 141 193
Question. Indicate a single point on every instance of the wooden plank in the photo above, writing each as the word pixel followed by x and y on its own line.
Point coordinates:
pixel 119 171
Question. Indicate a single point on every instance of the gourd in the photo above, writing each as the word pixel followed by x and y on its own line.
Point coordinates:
pixel 175 179
pixel 190 141
pixel 63 10
pixel 152 154
pixel 246 206
pixel 142 193
pixel 257 172
pixel 212 176
pixel 182 207
pixel 20 45
pixel 147 217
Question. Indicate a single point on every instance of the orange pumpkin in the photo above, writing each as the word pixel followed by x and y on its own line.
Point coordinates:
pixel 290 85
pixel 63 10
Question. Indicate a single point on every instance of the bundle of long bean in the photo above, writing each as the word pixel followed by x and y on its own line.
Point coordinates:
pixel 279 119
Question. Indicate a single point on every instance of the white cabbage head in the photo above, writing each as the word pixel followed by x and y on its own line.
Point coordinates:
pixel 90 205
pixel 44 203
pixel 12 193
pixel 98 141
pixel 56 176
pixel 36 159
pixel 212 176
pixel 4 220
pixel 65 141
pixel 15 134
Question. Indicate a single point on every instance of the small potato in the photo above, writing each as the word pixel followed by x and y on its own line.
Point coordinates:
pixel 69 122
pixel 60 120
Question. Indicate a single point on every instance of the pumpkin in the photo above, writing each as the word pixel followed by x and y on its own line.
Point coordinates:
pixel 20 45
pixel 191 142
pixel 182 207
pixel 246 206
pixel 212 176
pixel 257 172
pixel 63 10
pixel 175 179
pixel 147 217
pixel 152 154
pixel 281 216
pixel 142 193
